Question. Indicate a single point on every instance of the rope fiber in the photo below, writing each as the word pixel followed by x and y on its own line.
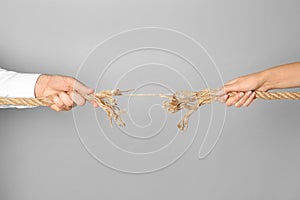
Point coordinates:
pixel 188 100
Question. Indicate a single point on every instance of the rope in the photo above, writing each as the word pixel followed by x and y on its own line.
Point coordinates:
pixel 188 100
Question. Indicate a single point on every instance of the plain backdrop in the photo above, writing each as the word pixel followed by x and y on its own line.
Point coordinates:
pixel 258 154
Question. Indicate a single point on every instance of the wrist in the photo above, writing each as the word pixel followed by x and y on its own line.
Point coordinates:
pixel 264 77
pixel 41 85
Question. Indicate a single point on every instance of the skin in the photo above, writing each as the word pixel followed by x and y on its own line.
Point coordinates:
pixel 279 77
pixel 65 92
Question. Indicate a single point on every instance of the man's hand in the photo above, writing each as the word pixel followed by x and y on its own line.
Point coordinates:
pixel 64 91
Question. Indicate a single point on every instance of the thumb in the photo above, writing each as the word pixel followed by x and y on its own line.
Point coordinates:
pixel 81 88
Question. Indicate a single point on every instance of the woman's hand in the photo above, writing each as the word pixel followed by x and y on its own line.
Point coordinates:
pixel 244 87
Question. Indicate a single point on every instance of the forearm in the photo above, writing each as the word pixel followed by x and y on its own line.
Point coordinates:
pixel 280 77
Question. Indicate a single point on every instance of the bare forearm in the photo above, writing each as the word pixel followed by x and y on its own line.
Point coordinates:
pixel 283 76
pixel 280 77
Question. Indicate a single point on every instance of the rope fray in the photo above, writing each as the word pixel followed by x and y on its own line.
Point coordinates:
pixel 181 100
pixel 105 100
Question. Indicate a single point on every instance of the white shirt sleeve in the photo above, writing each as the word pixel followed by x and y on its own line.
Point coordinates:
pixel 13 84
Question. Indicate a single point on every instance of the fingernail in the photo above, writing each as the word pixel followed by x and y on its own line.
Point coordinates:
pixel 241 94
pixel 248 93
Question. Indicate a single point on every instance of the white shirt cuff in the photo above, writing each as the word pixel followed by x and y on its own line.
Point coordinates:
pixel 22 85
pixel 13 84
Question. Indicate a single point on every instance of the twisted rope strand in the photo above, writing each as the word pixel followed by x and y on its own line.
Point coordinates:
pixel 181 100
pixel 25 101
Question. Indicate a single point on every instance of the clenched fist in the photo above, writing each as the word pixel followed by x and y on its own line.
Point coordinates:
pixel 64 91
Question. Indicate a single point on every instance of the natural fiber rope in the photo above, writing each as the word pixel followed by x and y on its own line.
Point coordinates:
pixel 180 100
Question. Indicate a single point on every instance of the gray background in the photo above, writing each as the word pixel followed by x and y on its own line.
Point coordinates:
pixel 258 154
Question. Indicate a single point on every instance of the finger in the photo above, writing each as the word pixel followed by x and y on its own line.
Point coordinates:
pixel 243 99
pixel 58 102
pixel 55 107
pixel 67 108
pixel 77 98
pixel 223 99
pixel 232 100
pixel 95 105
pixel 250 99
pixel 81 88
pixel 66 99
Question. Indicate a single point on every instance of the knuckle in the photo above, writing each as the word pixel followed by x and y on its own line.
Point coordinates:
pixel 59 104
